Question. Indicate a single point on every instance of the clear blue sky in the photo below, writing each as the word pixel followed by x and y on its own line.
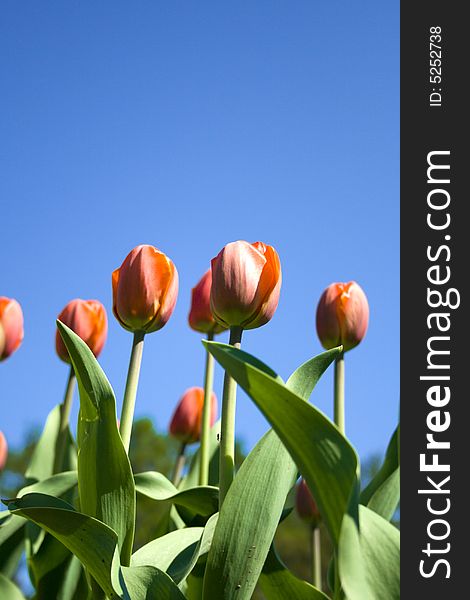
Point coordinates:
pixel 187 125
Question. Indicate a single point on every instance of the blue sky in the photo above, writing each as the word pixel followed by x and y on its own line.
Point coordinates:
pixel 186 126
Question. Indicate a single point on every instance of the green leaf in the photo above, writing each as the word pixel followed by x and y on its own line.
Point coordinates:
pixel 11 543
pixel 278 583
pixel 8 590
pixel 170 553
pixel 41 464
pixel 202 500
pixel 255 501
pixel 93 542
pixel 96 546
pixel 382 495
pixel 105 480
pixel 380 549
pixel 324 456
pixel 144 583
pixel 56 485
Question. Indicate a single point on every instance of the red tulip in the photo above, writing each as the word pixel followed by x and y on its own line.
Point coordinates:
pixel 200 316
pixel 11 327
pixel 145 289
pixel 306 506
pixel 342 315
pixel 186 423
pixel 246 282
pixel 3 451
pixel 88 319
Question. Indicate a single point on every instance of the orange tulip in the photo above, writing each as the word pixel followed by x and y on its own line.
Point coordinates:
pixel 306 506
pixel 246 282
pixel 185 424
pixel 11 327
pixel 3 451
pixel 200 316
pixel 342 315
pixel 145 289
pixel 88 319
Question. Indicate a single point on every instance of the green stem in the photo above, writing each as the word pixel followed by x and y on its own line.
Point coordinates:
pixel 65 409
pixel 339 420
pixel 128 405
pixel 227 428
pixel 316 557
pixel 179 465
pixel 206 416
pixel 339 392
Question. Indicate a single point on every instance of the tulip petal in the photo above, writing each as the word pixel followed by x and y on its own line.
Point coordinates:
pixel 11 319
pixel 145 288
pixel 236 272
pixel 269 287
pixel 87 318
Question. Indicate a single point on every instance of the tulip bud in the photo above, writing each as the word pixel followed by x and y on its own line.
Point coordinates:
pixel 145 289
pixel 200 316
pixel 306 506
pixel 185 424
pixel 246 282
pixel 342 315
pixel 88 319
pixel 11 327
pixel 3 451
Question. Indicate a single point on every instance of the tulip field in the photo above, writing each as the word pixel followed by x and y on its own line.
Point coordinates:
pixel 70 530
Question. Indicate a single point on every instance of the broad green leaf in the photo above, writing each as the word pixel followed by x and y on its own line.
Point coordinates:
pixel 11 543
pixel 41 464
pixel 202 500
pixel 8 590
pixel 324 456
pixel 56 485
pixel 382 495
pixel 144 583
pixel 380 549
pixel 278 583
pixel 255 501
pixel 96 546
pixel 178 552
pixel 105 480
pixel 170 552
pixel 92 542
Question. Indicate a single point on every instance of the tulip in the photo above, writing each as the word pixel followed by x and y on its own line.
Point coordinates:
pixel 145 289
pixel 200 316
pixel 185 423
pixel 87 318
pixel 11 327
pixel 246 282
pixel 306 506
pixel 342 319
pixel 342 315
pixel 3 451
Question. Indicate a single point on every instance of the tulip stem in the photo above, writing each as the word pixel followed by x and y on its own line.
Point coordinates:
pixel 65 409
pixel 339 420
pixel 316 557
pixel 206 416
pixel 128 405
pixel 339 393
pixel 227 427
pixel 179 465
